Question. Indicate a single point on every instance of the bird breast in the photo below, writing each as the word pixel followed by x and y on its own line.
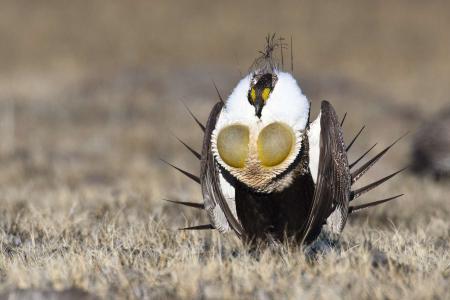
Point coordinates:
pixel 256 155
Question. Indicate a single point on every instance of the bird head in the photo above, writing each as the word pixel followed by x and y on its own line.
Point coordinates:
pixel 260 89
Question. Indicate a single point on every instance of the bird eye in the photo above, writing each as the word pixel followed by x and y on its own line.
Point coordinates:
pixel 275 144
pixel 265 94
pixel 232 144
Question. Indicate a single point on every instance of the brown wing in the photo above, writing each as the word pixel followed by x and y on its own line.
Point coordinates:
pixel 332 192
pixel 218 210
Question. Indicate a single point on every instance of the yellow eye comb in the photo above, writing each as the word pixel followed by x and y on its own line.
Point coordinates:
pixel 265 94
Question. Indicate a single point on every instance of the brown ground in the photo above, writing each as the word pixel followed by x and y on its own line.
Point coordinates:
pixel 89 93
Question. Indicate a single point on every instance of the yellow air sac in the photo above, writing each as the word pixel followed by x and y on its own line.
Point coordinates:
pixel 232 144
pixel 275 144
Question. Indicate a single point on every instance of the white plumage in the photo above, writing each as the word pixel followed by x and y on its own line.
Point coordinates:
pixel 314 147
pixel 286 103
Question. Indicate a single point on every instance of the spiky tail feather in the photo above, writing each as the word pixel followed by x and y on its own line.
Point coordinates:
pixel 198 227
pixel 354 139
pixel 356 193
pixel 356 175
pixel 343 119
pixel 200 124
pixel 361 157
pixel 354 208
pixel 194 152
pixel 186 173
pixel 186 203
pixel 364 168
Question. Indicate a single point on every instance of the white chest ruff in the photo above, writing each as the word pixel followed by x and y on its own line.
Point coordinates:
pixel 286 105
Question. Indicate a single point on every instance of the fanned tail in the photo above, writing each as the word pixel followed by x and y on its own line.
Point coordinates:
pixel 359 172
pixel 364 168
pixel 191 176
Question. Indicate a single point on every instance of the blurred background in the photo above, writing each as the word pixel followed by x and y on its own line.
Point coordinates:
pixel 90 90
pixel 90 100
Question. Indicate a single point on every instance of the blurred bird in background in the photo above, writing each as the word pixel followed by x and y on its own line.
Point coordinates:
pixel 431 147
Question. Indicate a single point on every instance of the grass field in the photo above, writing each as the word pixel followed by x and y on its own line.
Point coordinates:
pixel 89 102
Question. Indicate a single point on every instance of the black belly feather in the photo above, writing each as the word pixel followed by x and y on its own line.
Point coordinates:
pixel 279 215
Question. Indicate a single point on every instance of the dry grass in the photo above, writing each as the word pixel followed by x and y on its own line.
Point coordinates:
pixel 86 102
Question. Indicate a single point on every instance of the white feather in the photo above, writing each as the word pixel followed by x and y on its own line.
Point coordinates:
pixel 229 194
pixel 314 147
pixel 237 109
pixel 286 104
pixel 216 214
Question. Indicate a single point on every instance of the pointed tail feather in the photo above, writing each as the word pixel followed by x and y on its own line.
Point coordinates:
pixel 361 157
pixel 190 204
pixel 364 168
pixel 354 139
pixel 190 175
pixel 194 117
pixel 196 154
pixel 217 91
pixel 362 206
pixel 198 227
pixel 355 194
pixel 343 119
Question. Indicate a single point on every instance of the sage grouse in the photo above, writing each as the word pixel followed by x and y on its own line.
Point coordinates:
pixel 268 173
pixel 431 146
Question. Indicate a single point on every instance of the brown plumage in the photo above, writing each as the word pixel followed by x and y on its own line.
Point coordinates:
pixel 431 147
